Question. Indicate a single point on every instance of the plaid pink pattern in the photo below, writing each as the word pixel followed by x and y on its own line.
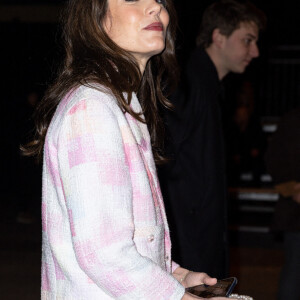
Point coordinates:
pixel 105 233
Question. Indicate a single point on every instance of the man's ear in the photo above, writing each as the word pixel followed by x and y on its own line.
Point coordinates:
pixel 218 38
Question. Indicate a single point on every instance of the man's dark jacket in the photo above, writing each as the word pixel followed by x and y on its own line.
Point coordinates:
pixel 194 183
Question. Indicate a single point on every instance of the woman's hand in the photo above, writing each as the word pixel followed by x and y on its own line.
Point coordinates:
pixel 191 297
pixel 188 278
pixel 196 278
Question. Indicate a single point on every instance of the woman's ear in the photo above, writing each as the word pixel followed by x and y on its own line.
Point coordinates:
pixel 218 38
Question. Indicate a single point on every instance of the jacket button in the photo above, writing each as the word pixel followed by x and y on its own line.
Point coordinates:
pixel 167 257
pixel 150 237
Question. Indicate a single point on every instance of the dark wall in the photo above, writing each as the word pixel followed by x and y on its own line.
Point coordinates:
pixel 29 54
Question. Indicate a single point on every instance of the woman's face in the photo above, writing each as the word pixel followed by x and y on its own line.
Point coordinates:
pixel 138 26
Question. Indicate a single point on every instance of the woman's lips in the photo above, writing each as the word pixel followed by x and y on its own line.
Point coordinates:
pixel 156 26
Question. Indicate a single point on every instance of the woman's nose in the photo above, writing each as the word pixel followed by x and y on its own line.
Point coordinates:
pixel 154 8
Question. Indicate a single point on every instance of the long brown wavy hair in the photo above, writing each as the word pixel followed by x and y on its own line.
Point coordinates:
pixel 92 57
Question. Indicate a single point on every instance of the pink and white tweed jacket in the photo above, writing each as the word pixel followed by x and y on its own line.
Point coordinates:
pixel 105 233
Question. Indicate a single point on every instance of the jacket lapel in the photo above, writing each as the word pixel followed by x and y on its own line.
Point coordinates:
pixel 141 135
pixel 137 128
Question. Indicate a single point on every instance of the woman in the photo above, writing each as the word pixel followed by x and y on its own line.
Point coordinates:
pixel 105 233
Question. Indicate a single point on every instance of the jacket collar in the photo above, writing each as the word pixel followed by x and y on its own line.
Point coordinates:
pixel 138 129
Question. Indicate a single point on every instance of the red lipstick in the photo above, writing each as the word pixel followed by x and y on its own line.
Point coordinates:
pixel 156 26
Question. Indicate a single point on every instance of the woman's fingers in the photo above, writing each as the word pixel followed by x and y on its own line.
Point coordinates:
pixel 196 278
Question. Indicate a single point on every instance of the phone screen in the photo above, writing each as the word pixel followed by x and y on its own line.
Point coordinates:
pixel 223 288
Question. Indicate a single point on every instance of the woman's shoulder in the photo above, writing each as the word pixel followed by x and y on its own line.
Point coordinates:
pixel 92 94
pixel 83 102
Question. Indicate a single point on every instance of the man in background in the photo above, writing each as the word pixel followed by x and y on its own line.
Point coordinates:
pixel 194 185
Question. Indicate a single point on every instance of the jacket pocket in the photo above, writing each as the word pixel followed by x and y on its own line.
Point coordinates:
pixel 149 241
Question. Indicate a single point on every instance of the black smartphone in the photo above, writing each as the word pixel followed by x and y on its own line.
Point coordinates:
pixel 223 288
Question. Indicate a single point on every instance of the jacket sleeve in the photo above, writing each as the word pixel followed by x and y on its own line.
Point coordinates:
pixel 174 266
pixel 98 194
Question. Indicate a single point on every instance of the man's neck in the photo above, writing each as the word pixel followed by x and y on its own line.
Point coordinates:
pixel 215 58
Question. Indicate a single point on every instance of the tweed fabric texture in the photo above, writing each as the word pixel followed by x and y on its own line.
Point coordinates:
pixel 105 233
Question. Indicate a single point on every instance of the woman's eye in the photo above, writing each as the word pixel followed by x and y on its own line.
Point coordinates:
pixel 162 2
